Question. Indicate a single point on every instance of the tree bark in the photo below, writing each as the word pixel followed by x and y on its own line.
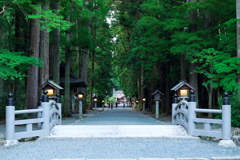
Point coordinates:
pixel 142 87
pixel 1 92
pixel 56 51
pixel 238 37
pixel 84 72
pixel 194 76
pixel 84 75
pixel 194 79
pixel 183 68
pixel 32 79
pixel 90 104
pixel 1 80
pixel 238 27
pixel 210 92
pixel 19 47
pixel 167 90
pixel 44 52
pixel 67 94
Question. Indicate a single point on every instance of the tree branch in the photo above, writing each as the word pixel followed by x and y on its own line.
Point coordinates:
pixel 3 9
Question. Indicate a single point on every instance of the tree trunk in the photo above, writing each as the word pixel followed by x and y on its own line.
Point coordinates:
pixel 183 68
pixel 67 94
pixel 194 79
pixel 139 91
pixel 193 76
pixel 1 92
pixel 44 52
pixel 1 80
pixel 238 27
pixel 84 76
pixel 73 101
pixel 142 87
pixel 56 51
pixel 210 92
pixel 238 37
pixel 167 90
pixel 90 104
pixel 19 47
pixel 84 72
pixel 32 79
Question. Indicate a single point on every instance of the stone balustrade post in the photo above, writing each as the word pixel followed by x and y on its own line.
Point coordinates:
pixel 58 101
pixel 174 104
pixel 39 113
pixel 46 112
pixel 226 117
pixel 10 118
pixel 191 112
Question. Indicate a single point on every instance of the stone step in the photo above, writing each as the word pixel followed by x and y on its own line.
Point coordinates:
pixel 119 131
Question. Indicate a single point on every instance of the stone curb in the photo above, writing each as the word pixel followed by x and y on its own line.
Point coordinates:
pixel 213 158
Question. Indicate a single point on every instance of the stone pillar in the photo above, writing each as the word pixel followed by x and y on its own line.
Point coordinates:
pixel 226 123
pixel 40 113
pixel 80 109
pixel 58 100
pixel 157 109
pixel 10 118
pixel 174 104
pixel 191 112
pixel 226 117
pixel 143 106
pixel 46 112
pixel 10 122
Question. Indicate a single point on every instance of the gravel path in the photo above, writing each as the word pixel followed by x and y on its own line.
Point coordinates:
pixel 112 148
pixel 120 116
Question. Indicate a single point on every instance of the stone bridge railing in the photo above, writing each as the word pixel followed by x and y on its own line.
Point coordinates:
pixel 184 113
pixel 48 115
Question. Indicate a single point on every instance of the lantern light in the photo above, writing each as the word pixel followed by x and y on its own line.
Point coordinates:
pixel 182 89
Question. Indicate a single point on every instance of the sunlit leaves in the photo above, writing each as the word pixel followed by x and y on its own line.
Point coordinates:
pixel 49 19
pixel 13 64
pixel 219 67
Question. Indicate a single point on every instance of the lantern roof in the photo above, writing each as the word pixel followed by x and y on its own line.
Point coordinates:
pixel 157 92
pixel 51 84
pixel 79 92
pixel 181 84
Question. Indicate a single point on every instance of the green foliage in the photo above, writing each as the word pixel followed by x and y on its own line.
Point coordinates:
pixel 220 68
pixel 235 111
pixel 112 99
pixel 14 64
pixel 50 20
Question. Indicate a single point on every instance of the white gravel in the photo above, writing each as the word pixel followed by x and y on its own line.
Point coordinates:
pixel 113 148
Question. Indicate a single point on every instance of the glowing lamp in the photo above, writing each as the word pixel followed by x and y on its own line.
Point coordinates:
pixel 95 98
pixel 79 95
pixel 182 89
pixel 143 99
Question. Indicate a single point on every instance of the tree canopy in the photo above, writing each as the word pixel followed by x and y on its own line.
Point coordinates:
pixel 136 45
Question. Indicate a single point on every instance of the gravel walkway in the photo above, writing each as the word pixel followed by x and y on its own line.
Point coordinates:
pixel 113 148
pixel 120 116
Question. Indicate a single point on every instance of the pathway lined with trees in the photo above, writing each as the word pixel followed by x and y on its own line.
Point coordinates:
pixel 148 45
